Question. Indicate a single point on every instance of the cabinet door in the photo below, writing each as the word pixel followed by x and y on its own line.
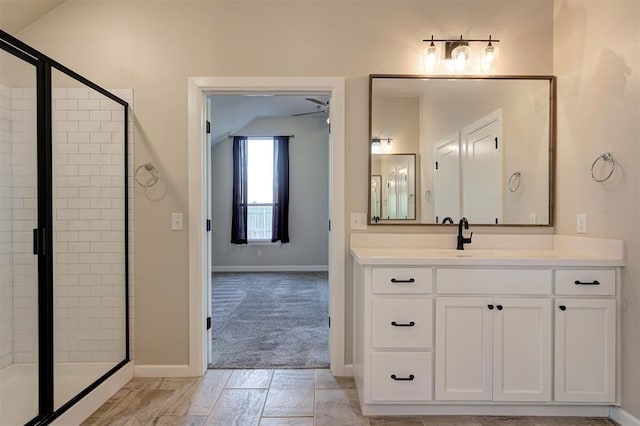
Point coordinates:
pixel 463 348
pixel 522 350
pixel 585 339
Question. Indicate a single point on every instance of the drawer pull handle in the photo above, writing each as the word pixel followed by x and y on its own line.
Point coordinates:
pixel 562 307
pixel 409 324
pixel 395 281
pixel 594 282
pixel 410 378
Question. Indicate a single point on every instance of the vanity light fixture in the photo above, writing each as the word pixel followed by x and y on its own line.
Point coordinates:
pixel 458 51
pixel 378 148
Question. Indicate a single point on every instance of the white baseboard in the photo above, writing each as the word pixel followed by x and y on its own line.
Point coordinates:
pixel 348 370
pixel 162 371
pixel 271 268
pixel 94 400
pixel 623 417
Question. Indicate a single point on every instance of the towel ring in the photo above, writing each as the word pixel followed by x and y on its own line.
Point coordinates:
pixel 514 181
pixel 152 175
pixel 607 157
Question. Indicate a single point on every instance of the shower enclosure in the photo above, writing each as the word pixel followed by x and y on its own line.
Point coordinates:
pixel 64 324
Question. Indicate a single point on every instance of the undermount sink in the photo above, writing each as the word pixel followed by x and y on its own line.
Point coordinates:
pixel 465 253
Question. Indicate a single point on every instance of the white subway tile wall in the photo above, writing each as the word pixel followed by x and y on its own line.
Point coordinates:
pixel 89 225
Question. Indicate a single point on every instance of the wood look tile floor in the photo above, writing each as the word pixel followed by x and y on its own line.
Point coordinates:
pixel 272 398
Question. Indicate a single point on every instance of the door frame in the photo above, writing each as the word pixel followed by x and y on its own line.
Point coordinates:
pixel 198 89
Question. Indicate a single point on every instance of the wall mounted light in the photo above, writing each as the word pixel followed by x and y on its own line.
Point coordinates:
pixel 377 147
pixel 458 51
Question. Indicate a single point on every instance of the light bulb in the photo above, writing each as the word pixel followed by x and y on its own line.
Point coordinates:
pixel 489 58
pixel 376 146
pixel 460 58
pixel 430 58
pixel 387 147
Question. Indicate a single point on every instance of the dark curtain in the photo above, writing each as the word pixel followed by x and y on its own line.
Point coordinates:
pixel 280 224
pixel 239 203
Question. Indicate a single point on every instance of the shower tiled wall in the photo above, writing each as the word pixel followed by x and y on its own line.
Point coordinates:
pixel 6 268
pixel 88 226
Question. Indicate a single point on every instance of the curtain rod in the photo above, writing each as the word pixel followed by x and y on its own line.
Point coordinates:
pixel 232 136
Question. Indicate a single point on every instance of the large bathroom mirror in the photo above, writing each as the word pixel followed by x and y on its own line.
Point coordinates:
pixel 481 148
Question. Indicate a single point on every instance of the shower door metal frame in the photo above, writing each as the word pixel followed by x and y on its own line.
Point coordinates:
pixel 43 236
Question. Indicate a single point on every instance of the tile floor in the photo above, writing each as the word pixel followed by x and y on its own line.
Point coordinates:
pixel 271 398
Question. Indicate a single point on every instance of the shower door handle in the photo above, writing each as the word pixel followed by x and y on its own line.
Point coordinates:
pixel 38 241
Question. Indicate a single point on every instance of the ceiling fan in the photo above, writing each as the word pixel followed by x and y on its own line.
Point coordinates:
pixel 321 107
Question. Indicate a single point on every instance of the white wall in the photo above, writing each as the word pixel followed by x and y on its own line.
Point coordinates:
pixel 6 268
pixel 154 47
pixel 597 61
pixel 308 197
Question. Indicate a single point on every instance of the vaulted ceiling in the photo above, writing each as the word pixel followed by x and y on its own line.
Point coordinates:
pixel 18 14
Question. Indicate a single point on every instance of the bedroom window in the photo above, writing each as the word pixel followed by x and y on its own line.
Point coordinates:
pixel 259 189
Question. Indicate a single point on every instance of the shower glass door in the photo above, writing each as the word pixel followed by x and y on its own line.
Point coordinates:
pixel 18 217
pixel 89 273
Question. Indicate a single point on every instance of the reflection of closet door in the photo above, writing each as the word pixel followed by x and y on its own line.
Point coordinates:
pixel 376 196
pixel 390 202
pixel 403 193
pixel 447 179
pixel 482 169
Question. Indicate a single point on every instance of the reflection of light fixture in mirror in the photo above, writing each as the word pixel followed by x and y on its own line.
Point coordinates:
pixel 459 52
pixel 387 146
pixel 489 58
pixel 430 57
pixel 376 146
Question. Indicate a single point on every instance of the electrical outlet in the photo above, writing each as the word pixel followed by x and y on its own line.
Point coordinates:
pixel 176 221
pixel 359 221
pixel 581 223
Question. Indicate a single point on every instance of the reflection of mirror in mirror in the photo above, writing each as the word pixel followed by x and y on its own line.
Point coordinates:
pixel 393 182
pixel 470 135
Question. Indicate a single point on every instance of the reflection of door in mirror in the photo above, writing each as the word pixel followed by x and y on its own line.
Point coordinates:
pixel 447 179
pixel 376 197
pixel 398 176
pixel 482 177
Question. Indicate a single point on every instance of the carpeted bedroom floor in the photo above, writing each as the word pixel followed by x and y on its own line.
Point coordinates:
pixel 270 319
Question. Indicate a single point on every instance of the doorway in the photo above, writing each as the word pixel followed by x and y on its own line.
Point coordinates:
pixel 199 264
pixel 269 303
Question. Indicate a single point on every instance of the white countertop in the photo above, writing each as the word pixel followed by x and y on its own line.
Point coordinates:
pixel 561 251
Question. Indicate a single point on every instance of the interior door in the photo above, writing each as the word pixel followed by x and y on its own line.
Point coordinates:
pixel 482 176
pixel 447 179
pixel 208 232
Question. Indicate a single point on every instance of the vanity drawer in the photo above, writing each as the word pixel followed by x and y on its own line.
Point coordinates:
pixel 402 323
pixel 494 281
pixel 413 376
pixel 402 280
pixel 590 282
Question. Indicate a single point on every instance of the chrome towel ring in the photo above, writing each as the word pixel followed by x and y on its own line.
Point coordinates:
pixel 607 157
pixel 147 175
pixel 514 181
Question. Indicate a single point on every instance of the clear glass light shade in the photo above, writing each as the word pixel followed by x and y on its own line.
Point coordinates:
pixel 376 146
pixel 460 58
pixel 430 58
pixel 489 58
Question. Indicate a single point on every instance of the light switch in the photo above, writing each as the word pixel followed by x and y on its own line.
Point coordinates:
pixel 581 223
pixel 533 218
pixel 176 221
pixel 359 221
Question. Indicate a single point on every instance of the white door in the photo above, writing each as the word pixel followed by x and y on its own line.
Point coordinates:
pixel 403 192
pixel 522 350
pixel 208 225
pixel 447 179
pixel 464 343
pixel 482 170
pixel 376 196
pixel 585 340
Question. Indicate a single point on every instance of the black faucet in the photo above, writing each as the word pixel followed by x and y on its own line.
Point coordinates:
pixel 461 239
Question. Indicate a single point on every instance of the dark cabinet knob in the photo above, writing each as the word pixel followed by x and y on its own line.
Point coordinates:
pixel 562 308
pixel 499 307
pixel 490 307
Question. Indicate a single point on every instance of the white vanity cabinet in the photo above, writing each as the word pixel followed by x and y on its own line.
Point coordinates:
pixel 493 349
pixel 585 336
pixel 457 338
